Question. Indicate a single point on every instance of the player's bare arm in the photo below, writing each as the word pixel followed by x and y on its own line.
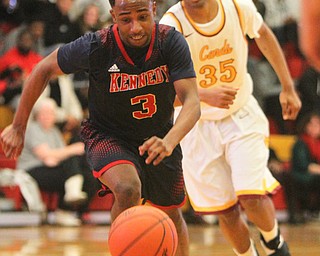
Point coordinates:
pixel 157 148
pixel 271 49
pixel 12 137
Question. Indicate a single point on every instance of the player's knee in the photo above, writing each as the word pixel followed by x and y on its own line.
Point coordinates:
pixel 230 218
pixel 175 214
pixel 127 193
pixel 251 203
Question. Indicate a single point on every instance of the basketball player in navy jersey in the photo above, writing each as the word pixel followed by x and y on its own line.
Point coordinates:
pixel 136 69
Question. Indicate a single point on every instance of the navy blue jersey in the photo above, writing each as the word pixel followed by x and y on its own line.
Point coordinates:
pixel 131 91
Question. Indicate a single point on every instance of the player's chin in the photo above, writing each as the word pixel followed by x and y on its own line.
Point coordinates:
pixel 138 42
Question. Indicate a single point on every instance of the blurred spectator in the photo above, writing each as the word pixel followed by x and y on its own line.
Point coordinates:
pixel 306 164
pixel 79 6
pixel 15 66
pixel 89 22
pixel 278 15
pixel 295 59
pixel 69 113
pixel 35 26
pixel 11 15
pixel 308 87
pixel 54 165
pixel 59 29
pixel 283 21
pixel 266 90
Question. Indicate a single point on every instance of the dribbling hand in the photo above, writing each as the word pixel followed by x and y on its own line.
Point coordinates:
pixel 156 148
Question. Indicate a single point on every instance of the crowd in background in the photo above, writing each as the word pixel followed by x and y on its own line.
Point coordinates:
pixel 31 29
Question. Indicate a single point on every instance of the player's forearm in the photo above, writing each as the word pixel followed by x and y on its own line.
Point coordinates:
pixel 271 49
pixel 187 118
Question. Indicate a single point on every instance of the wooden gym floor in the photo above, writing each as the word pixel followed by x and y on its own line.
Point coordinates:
pixel 91 240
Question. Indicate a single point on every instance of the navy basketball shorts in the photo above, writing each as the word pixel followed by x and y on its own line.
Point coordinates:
pixel 162 185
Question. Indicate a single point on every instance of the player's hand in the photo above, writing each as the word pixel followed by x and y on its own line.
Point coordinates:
pixel 12 141
pixel 290 104
pixel 218 96
pixel 156 148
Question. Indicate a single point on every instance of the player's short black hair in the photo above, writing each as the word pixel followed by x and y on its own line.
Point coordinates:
pixel 112 2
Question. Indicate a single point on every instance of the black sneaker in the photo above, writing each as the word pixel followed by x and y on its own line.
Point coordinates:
pixel 275 247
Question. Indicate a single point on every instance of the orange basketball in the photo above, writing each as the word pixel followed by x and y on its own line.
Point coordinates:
pixel 143 231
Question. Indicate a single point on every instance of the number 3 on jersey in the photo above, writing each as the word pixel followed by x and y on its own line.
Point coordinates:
pixel 227 71
pixel 149 107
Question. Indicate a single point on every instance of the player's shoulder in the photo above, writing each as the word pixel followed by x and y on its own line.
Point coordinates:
pixel 244 4
pixel 165 29
pixel 167 33
pixel 102 35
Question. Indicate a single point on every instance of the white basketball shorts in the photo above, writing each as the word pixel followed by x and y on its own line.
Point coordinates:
pixel 227 158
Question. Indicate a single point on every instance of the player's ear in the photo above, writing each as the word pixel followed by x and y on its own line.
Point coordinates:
pixel 113 16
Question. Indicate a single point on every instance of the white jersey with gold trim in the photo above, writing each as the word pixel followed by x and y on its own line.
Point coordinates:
pixel 224 62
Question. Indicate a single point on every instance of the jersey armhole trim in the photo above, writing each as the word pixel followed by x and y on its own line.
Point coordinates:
pixel 240 16
pixel 176 20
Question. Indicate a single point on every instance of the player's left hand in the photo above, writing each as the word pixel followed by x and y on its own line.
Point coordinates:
pixel 156 148
pixel 290 104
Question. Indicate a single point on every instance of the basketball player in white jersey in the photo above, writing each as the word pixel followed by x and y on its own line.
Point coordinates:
pixel 225 155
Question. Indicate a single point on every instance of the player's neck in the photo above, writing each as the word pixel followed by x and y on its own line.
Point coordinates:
pixel 203 14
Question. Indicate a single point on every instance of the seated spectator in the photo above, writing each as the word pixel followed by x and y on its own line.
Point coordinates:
pixel 36 27
pixel 54 165
pixel 11 15
pixel 78 7
pixel 69 111
pixel 15 66
pixel 306 163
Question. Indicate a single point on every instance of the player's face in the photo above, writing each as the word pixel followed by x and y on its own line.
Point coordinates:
pixel 135 19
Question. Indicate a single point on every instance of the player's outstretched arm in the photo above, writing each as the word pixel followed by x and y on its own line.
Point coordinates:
pixel 12 137
pixel 270 47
